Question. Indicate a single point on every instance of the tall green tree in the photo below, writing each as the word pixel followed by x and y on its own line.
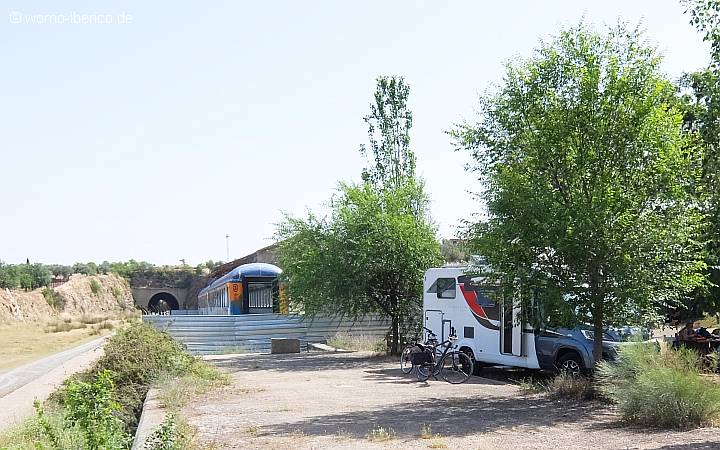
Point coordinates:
pixel 370 254
pixel 588 175
pixel 702 115
pixel 705 16
pixel 392 161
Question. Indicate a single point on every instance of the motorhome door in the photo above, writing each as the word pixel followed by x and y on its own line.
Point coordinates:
pixel 511 330
pixel 434 321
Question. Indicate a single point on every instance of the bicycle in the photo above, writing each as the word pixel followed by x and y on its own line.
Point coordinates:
pixel 406 358
pixel 452 365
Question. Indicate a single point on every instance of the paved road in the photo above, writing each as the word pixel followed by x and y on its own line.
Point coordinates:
pixel 20 376
pixel 37 380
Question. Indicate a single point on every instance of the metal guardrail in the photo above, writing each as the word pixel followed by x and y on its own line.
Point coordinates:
pixel 253 332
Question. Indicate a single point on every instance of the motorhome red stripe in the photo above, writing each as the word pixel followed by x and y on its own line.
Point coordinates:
pixel 471 299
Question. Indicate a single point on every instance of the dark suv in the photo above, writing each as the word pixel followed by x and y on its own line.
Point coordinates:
pixel 571 349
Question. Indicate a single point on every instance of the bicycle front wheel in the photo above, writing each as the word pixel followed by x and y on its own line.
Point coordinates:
pixel 423 372
pixel 456 367
pixel 406 364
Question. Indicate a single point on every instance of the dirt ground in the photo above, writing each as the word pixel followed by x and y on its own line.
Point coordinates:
pixel 334 401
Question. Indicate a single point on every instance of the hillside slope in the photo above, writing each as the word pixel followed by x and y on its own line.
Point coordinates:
pixel 112 295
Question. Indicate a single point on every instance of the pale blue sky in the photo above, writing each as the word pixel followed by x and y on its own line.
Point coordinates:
pixel 152 140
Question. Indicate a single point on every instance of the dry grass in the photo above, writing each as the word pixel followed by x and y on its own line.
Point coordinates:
pixel 201 378
pixel 380 434
pixel 426 432
pixel 575 388
pixel 28 342
pixel 91 320
pixel 437 443
pixel 347 341
pixel 62 326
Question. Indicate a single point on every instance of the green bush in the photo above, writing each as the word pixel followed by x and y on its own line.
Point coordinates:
pixel 47 429
pixel 137 355
pixel 95 287
pixel 165 437
pixel 116 292
pixel 666 390
pixel 54 298
pixel 91 407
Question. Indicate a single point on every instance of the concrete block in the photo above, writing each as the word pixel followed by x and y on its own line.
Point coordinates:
pixel 284 345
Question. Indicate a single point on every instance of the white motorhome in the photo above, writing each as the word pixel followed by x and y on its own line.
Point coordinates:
pixel 493 332
pixel 468 305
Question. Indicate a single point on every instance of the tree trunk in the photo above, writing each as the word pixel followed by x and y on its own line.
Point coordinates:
pixel 395 335
pixel 597 296
pixel 597 327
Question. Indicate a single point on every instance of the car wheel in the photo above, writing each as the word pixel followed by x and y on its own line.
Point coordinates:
pixel 570 364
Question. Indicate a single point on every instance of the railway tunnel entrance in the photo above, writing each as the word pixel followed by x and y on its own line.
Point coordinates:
pixel 162 302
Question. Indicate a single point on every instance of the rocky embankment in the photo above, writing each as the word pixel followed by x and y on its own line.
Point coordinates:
pixel 82 294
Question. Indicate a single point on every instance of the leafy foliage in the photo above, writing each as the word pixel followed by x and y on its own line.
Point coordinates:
pixel 701 104
pixel 165 437
pixel 705 15
pixel 588 178
pixel 91 407
pixel 24 276
pixel 389 123
pixel 95 287
pixel 657 389
pixel 368 257
pixel 453 252
pixel 54 298
pixel 137 356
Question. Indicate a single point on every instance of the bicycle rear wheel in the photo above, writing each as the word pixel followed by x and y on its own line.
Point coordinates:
pixel 423 371
pixel 456 367
pixel 406 364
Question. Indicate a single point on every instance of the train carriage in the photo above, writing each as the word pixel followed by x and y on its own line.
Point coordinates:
pixel 247 289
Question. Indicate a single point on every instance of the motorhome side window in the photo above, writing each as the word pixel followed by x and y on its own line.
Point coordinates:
pixel 486 296
pixel 443 287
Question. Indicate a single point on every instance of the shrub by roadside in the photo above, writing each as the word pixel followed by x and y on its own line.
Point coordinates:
pixel 99 408
pixel 661 389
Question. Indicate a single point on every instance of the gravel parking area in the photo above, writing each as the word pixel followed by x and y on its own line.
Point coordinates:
pixel 335 401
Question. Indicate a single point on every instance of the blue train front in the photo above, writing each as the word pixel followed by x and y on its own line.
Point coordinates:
pixel 247 289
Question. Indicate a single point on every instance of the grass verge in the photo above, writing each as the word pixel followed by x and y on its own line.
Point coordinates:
pixel 99 408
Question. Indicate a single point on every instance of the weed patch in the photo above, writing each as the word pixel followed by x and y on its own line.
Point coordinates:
pixel 95 287
pixel 54 298
pixel 380 434
pixel 172 434
pixel 347 341
pixel 200 378
pixel 61 326
pixel 572 387
pixel 661 389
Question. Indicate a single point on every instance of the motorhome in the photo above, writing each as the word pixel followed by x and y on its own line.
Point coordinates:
pixel 495 332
